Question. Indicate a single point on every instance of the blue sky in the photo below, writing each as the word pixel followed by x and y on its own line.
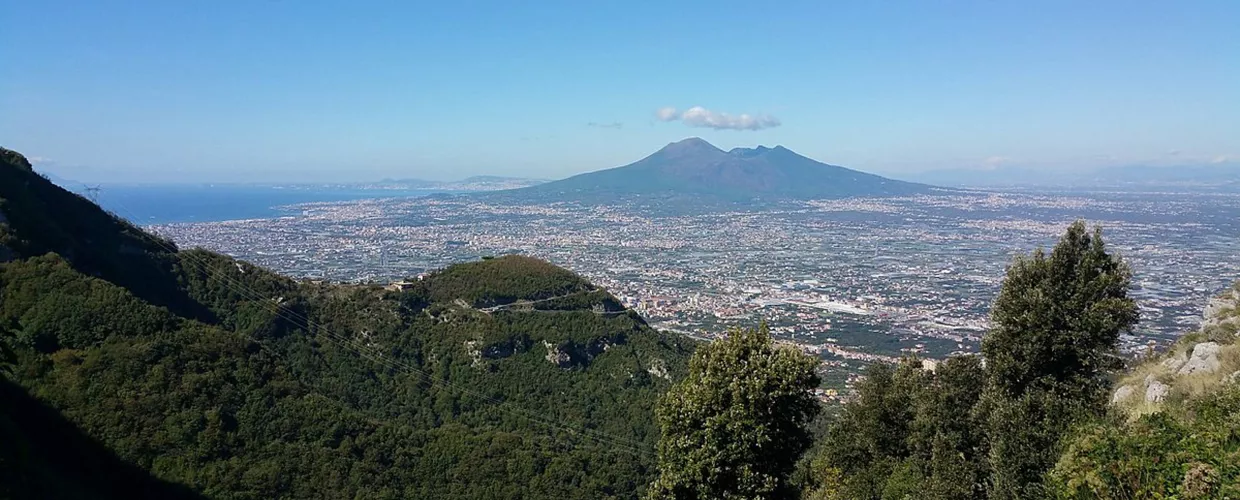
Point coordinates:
pixel 167 91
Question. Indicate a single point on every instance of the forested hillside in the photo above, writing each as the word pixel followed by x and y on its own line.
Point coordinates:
pixel 129 368
pixel 189 373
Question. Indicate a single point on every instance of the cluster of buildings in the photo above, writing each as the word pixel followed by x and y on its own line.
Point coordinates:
pixel 856 281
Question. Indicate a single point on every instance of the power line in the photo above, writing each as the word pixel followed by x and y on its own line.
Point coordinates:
pixel 92 192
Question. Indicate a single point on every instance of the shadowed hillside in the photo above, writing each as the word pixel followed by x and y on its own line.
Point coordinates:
pixel 506 378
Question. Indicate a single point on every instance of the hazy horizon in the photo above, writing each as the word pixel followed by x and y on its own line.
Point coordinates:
pixel 919 175
pixel 245 92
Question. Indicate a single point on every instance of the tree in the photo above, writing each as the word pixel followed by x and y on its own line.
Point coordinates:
pixel 947 435
pixel 871 437
pixel 736 425
pixel 7 357
pixel 909 432
pixel 1057 319
pixel 1055 328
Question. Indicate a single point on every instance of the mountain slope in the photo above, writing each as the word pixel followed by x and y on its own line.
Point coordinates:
pixel 694 167
pixel 1175 427
pixel 37 216
pixel 506 378
pixel 34 441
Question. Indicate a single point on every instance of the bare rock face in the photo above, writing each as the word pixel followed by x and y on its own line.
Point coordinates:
pixel 1204 359
pixel 482 354
pixel 658 368
pixel 1157 392
pixel 1213 314
pixel 569 355
pixel 1174 362
pixel 1124 392
pixel 471 348
pixel 556 356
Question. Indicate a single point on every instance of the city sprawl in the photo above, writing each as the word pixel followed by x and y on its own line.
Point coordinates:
pixel 855 280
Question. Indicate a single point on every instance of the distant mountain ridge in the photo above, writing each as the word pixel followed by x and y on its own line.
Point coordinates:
pixel 474 183
pixel 694 167
pixel 1216 176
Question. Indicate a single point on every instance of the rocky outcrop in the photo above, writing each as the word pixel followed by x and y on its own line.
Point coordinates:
pixel 658 368
pixel 1203 360
pixel 1198 363
pixel 475 354
pixel 571 354
pixel 557 356
pixel 1156 392
pixel 1216 306
pixel 1124 392
pixel 1175 361
pixel 1222 309
pixel 499 350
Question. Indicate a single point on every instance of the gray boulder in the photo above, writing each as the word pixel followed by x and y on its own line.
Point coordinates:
pixel 1204 359
pixel 1124 392
pixel 1175 361
pixel 1157 392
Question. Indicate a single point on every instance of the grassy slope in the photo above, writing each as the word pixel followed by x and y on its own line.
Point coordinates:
pixel 1186 446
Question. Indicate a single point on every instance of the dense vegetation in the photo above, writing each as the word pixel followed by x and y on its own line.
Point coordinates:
pixel 1033 421
pixel 129 368
pixel 192 368
pixel 734 427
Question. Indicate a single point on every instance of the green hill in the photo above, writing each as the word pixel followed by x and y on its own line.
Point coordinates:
pixel 188 372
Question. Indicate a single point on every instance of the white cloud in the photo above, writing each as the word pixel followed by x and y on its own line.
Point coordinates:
pixel 1173 152
pixel 668 114
pixel 698 116
pixel 1220 159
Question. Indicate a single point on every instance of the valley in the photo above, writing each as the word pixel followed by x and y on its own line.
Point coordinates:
pixel 856 280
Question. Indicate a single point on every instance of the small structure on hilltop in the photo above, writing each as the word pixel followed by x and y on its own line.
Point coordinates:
pixel 400 286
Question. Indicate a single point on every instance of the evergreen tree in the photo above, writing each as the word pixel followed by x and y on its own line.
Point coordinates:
pixel 947 434
pixel 1055 328
pixel 736 425
pixel 909 433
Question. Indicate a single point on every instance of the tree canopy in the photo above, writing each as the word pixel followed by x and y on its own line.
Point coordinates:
pixel 200 370
pixel 737 423
pixel 971 431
